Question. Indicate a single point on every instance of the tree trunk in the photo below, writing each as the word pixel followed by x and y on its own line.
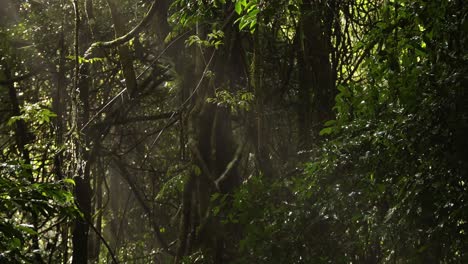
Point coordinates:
pixel 22 138
pixel 317 89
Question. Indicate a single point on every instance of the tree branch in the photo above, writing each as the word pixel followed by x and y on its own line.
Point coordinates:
pixel 139 197
pixel 229 167
pixel 125 38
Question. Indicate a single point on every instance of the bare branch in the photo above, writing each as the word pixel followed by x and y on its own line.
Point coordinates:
pixel 125 38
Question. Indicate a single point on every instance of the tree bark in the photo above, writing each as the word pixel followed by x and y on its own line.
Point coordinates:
pixel 317 89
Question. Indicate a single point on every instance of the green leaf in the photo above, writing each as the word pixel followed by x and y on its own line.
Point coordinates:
pixel 27 228
pixel 69 181
pixel 197 170
pixel 216 210
pixel 44 115
pixel 326 131
pixel 215 196
pixel 13 120
pixel 330 123
pixel 238 7
pixel 15 243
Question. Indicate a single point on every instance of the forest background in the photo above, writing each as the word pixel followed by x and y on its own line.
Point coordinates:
pixel 233 131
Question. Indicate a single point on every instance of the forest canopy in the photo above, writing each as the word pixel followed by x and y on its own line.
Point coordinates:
pixel 233 131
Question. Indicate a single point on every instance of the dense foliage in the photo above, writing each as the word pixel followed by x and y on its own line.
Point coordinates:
pixel 233 131
pixel 389 182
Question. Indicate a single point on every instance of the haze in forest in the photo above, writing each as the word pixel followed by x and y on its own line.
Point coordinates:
pixel 233 131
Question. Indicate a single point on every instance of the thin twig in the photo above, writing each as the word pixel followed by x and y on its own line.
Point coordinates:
pixel 183 104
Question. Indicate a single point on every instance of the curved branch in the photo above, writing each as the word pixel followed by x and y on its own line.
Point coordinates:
pixel 111 253
pixel 125 38
pixel 229 167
